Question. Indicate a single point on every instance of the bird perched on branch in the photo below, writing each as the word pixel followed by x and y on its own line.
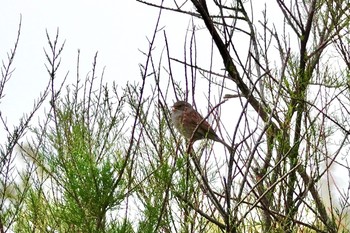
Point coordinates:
pixel 192 125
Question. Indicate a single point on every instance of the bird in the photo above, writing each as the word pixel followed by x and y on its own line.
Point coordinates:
pixel 192 125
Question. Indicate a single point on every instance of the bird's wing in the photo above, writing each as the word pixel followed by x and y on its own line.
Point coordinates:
pixel 205 126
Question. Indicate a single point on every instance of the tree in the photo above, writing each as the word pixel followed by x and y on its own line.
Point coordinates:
pixel 81 158
pixel 292 102
pixel 107 158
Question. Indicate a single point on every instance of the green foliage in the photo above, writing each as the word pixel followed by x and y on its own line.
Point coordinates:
pixel 80 151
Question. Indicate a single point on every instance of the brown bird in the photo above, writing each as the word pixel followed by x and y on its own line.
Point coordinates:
pixel 186 119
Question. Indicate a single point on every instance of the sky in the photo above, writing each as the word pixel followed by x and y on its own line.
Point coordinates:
pixel 91 26
pixel 116 29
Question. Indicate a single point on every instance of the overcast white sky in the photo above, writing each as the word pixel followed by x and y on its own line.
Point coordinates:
pixel 114 28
